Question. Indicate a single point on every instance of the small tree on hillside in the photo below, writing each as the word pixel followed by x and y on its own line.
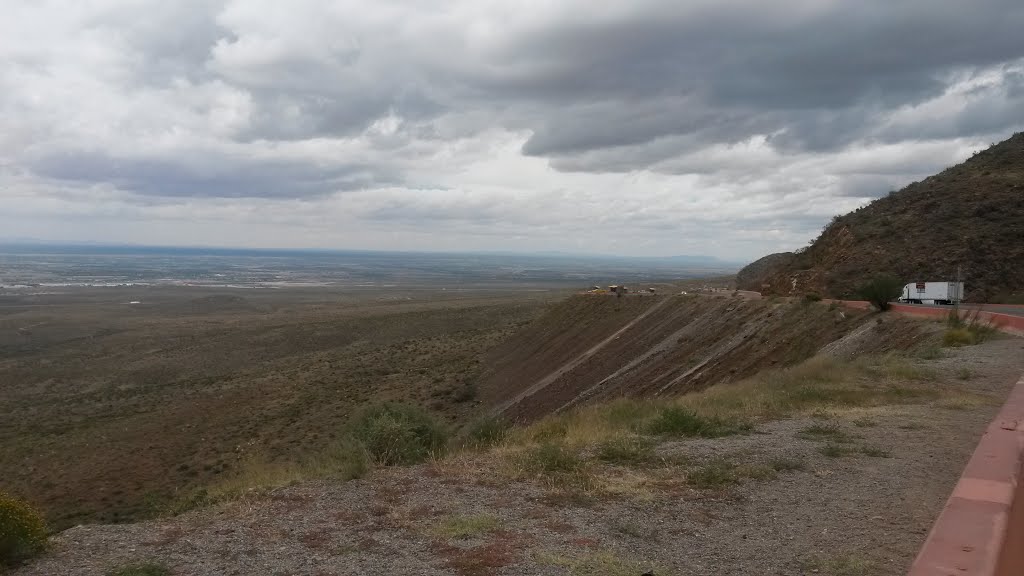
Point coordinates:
pixel 881 290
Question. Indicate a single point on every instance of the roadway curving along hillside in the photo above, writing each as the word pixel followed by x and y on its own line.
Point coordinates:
pixel 596 347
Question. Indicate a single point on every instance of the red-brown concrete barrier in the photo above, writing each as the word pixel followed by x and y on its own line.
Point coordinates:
pixel 980 532
pixel 1003 322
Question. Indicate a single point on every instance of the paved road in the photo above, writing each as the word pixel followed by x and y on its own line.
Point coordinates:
pixel 1011 309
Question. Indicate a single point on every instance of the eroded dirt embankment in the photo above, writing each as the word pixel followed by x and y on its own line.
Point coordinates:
pixel 596 347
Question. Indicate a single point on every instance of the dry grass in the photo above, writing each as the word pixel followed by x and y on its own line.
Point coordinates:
pixel 257 474
pixel 824 385
pixel 609 449
pixel 597 564
pixel 460 527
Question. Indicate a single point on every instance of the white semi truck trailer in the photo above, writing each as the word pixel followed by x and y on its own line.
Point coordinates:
pixel 933 292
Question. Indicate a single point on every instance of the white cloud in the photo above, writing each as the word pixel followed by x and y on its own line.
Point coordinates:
pixel 723 128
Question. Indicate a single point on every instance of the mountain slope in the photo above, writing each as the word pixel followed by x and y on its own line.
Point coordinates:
pixel 592 348
pixel 970 215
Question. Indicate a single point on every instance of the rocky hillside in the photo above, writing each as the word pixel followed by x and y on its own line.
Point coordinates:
pixel 970 215
pixel 592 348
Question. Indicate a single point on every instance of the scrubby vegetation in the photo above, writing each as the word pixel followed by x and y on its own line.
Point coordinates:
pixel 678 421
pixel 881 291
pixel 399 434
pixel 457 527
pixel 966 331
pixel 22 531
pixel 485 432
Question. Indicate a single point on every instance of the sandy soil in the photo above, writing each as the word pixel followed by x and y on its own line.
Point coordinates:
pixel 853 515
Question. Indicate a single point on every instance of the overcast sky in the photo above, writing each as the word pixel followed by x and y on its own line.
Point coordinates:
pixel 647 127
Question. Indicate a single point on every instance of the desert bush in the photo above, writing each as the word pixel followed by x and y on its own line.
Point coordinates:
pixel 967 330
pixel 552 458
pixel 812 297
pixel 397 434
pixel 559 466
pixel 678 421
pixel 881 290
pixel 22 531
pixel 956 337
pixel 486 432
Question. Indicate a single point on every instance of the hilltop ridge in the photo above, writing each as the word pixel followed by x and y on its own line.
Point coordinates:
pixel 971 215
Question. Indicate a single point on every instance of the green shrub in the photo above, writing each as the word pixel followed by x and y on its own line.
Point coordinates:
pixel 552 458
pixel 881 290
pixel 486 432
pixel 676 421
pixel 956 337
pixel 142 569
pixel 22 531
pixel 398 434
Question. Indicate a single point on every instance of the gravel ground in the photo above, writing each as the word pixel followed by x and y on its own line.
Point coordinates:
pixel 848 515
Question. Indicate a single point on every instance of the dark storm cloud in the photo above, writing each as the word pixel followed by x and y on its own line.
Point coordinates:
pixel 204 176
pixel 821 80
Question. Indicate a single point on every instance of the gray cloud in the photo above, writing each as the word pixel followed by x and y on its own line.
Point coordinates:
pixel 200 176
pixel 493 117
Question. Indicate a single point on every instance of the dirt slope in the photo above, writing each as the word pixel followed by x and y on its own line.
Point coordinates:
pixel 592 348
pixel 971 214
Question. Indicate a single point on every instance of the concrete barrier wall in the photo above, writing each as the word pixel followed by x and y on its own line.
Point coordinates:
pixel 1004 322
pixel 980 532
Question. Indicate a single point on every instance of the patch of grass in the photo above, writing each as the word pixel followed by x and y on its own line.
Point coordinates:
pixel 833 450
pixel 679 422
pixel 460 527
pixel 140 569
pixel 346 460
pixel 633 531
pixel 786 464
pixel 930 352
pixel 912 426
pixel 956 337
pixel 22 531
pixel 719 473
pixel 486 432
pixel 552 458
pixel 560 466
pixel 964 374
pixel 399 434
pixel 873 451
pixel 865 422
pixel 831 433
pixel 962 401
pixel 626 450
pixel 596 564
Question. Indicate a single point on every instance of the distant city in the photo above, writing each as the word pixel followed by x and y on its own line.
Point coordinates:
pixel 32 265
